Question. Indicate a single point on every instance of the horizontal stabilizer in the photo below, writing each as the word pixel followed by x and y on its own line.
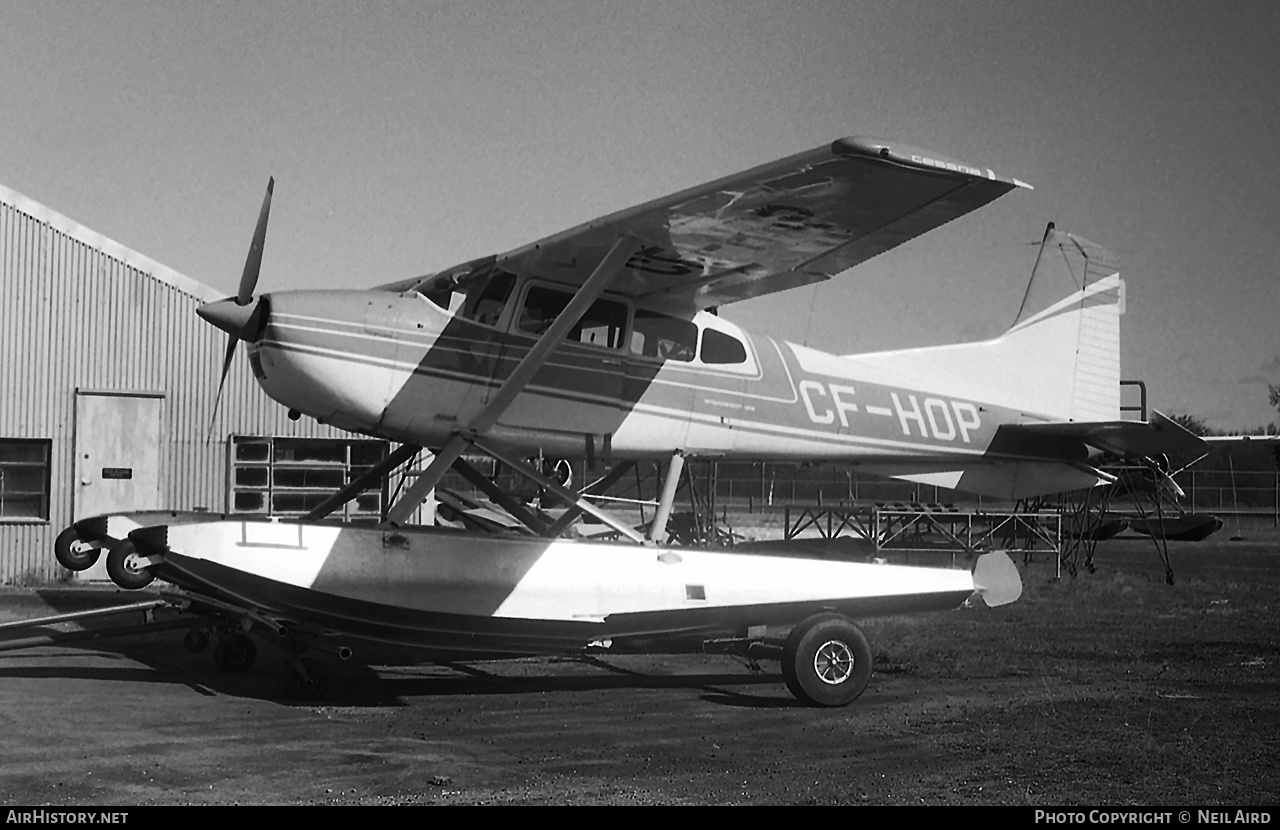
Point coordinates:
pixel 1159 436
pixel 1003 480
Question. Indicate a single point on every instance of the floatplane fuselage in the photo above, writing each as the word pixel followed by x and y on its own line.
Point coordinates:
pixel 633 382
pixel 403 368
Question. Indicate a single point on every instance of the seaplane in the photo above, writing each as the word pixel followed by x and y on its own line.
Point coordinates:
pixel 605 342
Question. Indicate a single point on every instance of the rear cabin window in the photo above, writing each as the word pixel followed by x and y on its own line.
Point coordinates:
pixel 660 336
pixel 720 348
pixel 602 325
pixel 488 303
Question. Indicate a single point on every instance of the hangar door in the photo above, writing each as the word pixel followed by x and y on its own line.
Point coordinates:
pixel 117 452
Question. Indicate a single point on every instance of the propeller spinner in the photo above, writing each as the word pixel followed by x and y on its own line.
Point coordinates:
pixel 239 316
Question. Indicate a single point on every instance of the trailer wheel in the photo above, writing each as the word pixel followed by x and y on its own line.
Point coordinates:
pixel 236 653
pixel 73 553
pixel 126 568
pixel 826 661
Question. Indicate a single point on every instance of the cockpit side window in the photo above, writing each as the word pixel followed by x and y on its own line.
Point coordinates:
pixel 485 305
pixel 660 336
pixel 602 324
pixel 720 348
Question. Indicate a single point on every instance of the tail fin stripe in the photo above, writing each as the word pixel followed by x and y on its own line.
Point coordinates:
pixel 1104 293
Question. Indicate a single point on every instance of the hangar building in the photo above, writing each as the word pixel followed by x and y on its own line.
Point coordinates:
pixel 107 385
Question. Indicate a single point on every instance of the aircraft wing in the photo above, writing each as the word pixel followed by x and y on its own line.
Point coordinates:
pixel 789 223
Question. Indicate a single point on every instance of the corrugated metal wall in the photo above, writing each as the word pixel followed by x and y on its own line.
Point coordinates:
pixel 79 311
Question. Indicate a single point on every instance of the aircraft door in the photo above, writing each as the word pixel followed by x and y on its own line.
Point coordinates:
pixel 117 457
pixel 579 387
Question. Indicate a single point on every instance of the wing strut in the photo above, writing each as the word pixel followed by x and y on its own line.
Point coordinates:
pixel 571 515
pixel 427 480
pixel 568 496
pixel 614 261
pixel 527 517
pixel 375 474
pixel 658 529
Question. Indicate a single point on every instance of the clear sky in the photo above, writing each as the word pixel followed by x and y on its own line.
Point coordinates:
pixel 409 136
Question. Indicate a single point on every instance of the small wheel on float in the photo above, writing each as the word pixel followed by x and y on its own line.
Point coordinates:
pixel 127 569
pixel 236 653
pixel 196 640
pixel 826 661
pixel 73 553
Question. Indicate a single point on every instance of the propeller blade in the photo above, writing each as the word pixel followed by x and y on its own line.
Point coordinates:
pixel 252 263
pixel 226 367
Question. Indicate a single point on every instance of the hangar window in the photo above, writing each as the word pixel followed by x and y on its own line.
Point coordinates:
pixel 292 476
pixel 24 479
pixel 668 338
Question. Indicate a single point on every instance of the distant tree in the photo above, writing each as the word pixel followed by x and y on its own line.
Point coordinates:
pixel 1191 424
pixel 1273 395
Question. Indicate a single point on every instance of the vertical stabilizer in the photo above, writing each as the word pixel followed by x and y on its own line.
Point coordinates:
pixel 1083 328
pixel 1060 360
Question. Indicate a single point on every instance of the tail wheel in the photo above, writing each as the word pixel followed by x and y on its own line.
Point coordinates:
pixel 127 569
pixel 236 653
pixel 826 661
pixel 73 553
